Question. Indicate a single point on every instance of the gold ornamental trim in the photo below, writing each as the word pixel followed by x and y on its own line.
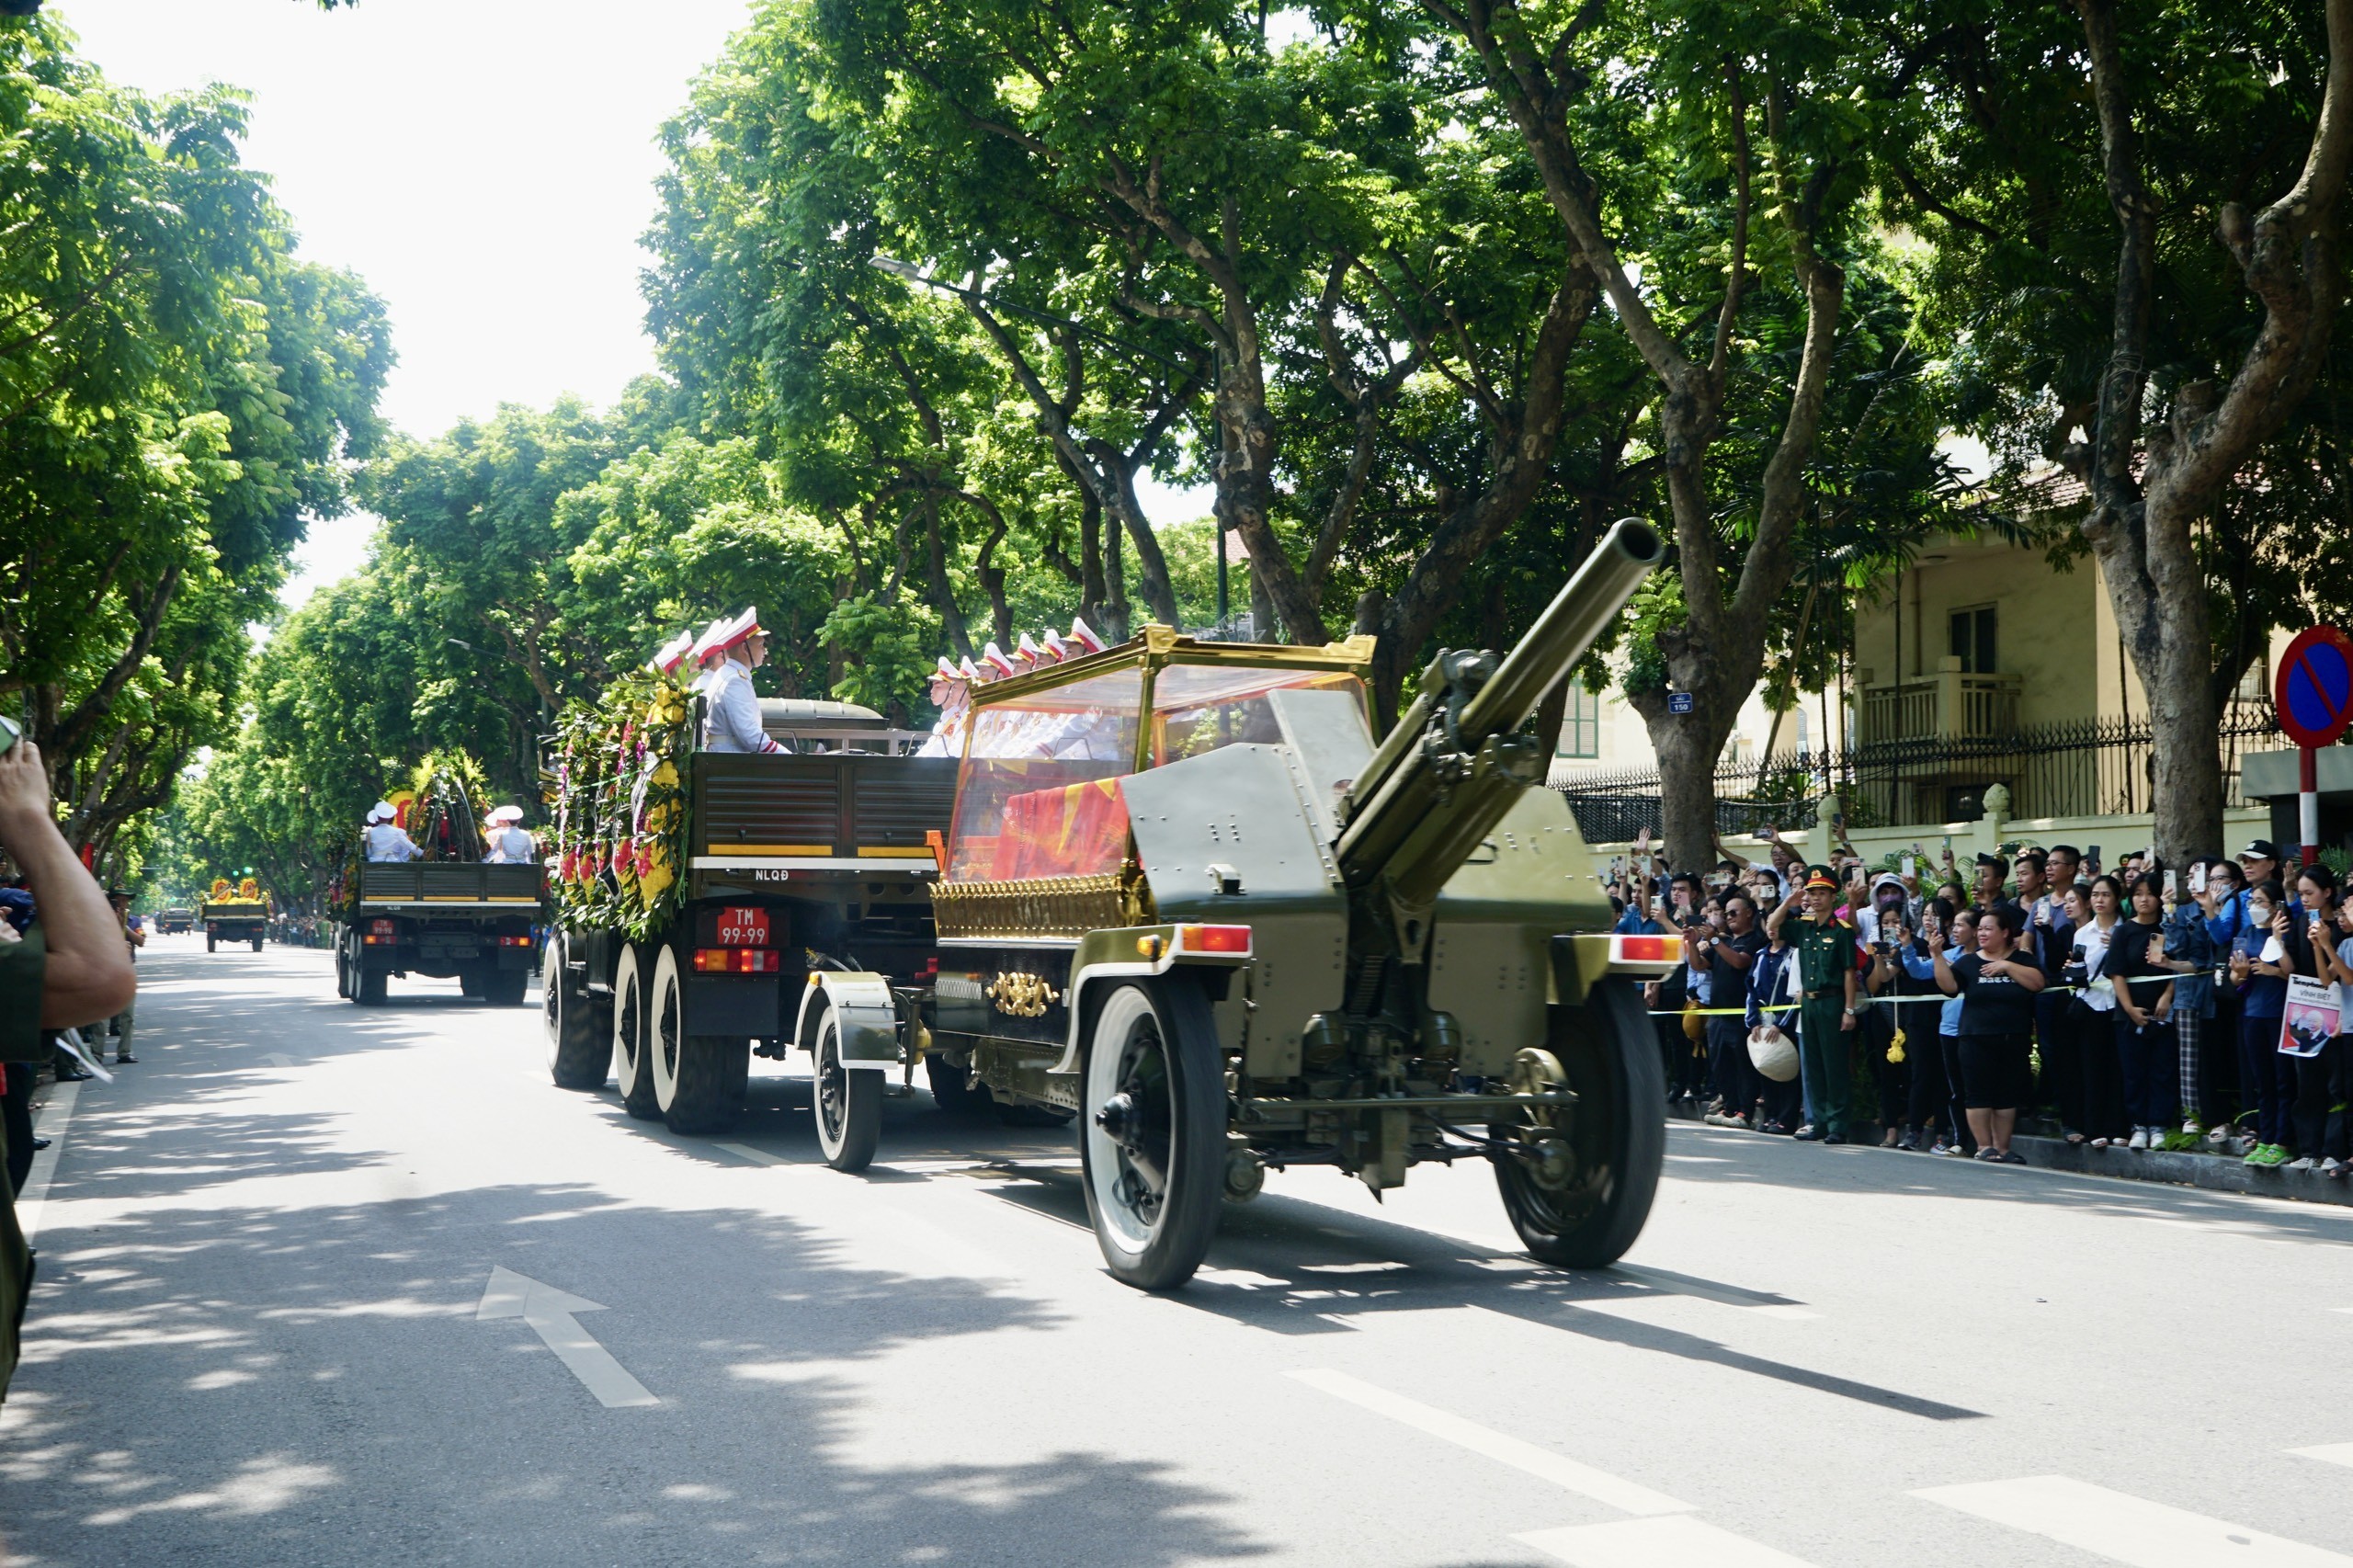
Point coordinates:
pixel 1041 907
pixel 1022 995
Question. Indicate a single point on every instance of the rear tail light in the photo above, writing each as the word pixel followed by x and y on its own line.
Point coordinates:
pixel 738 961
pixel 374 941
pixel 930 969
pixel 1645 950
pixel 1214 939
pixel 514 941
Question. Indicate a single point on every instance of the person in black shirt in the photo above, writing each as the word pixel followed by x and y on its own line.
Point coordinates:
pixel 1997 988
pixel 2143 1016
pixel 1728 957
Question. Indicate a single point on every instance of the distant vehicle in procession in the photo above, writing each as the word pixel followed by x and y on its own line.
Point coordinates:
pixel 1173 890
pixel 447 913
pixel 175 920
pixel 234 914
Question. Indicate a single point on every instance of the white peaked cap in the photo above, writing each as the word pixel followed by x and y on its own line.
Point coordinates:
pixel 1084 635
pixel 505 814
pixel 382 812
pixel 735 629
pixel 947 671
pixel 666 658
pixel 1055 647
pixel 970 672
pixel 1029 650
pixel 994 655
pixel 707 643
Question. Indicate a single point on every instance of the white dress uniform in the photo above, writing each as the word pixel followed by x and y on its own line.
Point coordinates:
pixel 732 722
pixel 386 841
pixel 511 845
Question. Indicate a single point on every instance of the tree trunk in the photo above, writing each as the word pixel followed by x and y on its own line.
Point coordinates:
pixel 1687 746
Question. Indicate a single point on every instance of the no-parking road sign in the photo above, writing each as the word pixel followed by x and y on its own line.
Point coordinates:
pixel 2314 690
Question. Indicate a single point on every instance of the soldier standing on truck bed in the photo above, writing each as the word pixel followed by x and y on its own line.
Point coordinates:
pixel 386 839
pixel 732 710
pixel 509 843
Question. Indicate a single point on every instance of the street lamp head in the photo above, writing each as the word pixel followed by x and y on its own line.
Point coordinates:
pixel 895 268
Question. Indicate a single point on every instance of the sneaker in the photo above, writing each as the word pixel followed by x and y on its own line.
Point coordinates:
pixel 2192 1126
pixel 1909 1143
pixel 2255 1155
pixel 2302 1163
pixel 2139 1139
pixel 2270 1156
pixel 1737 1122
pixel 2219 1135
pixel 1941 1147
pixel 2103 1142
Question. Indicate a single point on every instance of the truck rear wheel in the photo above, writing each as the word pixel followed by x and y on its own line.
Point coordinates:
pixel 631 1069
pixel 577 1058
pixel 1582 1188
pixel 370 991
pixel 1152 1131
pixel 849 1103
pixel 506 987
pixel 953 1088
pixel 211 943
pixel 257 941
pixel 698 1078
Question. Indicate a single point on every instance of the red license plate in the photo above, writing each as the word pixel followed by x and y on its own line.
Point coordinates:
pixel 743 927
pixel 382 928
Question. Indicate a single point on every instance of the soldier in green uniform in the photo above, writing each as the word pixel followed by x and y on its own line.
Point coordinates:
pixel 70 968
pixel 1825 956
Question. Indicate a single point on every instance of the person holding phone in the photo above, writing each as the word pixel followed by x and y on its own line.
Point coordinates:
pixel 1729 958
pixel 2260 965
pixel 2189 953
pixel 1950 929
pixel 2093 1015
pixel 2322 1122
pixel 2143 1016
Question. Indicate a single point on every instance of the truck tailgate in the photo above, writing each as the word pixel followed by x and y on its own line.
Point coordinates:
pixel 848 807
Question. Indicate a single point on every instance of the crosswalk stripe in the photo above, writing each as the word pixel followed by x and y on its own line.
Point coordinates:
pixel 1671 1541
pixel 2334 1453
pixel 2124 1529
pixel 1543 1463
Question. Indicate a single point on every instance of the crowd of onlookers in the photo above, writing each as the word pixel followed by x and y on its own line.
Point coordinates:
pixel 2206 1007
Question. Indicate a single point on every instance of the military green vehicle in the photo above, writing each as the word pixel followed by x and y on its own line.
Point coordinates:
pixel 1187 897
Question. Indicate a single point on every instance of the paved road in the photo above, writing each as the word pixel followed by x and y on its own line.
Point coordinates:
pixel 272 1328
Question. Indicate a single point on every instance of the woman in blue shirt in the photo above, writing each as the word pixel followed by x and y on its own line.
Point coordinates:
pixel 2260 964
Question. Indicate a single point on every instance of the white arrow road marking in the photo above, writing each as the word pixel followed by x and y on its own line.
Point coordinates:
pixel 2334 1453
pixel 1670 1540
pixel 2124 1529
pixel 550 1312
pixel 54 1114
pixel 1561 1470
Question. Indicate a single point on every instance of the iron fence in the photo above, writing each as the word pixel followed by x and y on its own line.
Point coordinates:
pixel 2089 768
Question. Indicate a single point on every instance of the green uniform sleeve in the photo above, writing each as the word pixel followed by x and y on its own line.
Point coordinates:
pixel 22 966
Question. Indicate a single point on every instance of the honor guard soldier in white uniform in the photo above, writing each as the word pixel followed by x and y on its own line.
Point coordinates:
pixel 509 844
pixel 731 712
pixel 708 656
pixel 673 653
pixel 386 841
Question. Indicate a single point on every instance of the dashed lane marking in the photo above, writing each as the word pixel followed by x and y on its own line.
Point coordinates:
pixel 757 1157
pixel 2125 1528
pixel 2334 1453
pixel 1670 1540
pixel 1543 1463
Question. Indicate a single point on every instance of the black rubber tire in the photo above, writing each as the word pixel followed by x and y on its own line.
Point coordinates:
pixel 1617 1131
pixel 371 988
pixel 256 943
pixel 211 943
pixel 577 1057
pixel 1156 1040
pixel 471 981
pixel 506 987
pixel 631 1069
pixel 847 1103
pixel 953 1089
pixel 342 970
pixel 698 1078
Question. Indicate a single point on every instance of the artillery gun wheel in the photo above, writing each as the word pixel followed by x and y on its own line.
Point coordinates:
pixel 1152 1131
pixel 632 1070
pixel 849 1103
pixel 1582 1201
pixel 577 1057
pixel 698 1078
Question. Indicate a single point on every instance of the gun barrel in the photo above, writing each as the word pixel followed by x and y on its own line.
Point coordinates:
pixel 1407 812
pixel 1577 616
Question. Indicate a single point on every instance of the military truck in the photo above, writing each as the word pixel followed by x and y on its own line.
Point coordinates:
pixel 467 920
pixel 239 916
pixel 1189 898
pixel 801 916
pixel 176 920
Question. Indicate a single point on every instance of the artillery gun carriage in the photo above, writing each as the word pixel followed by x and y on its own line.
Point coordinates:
pixel 1186 896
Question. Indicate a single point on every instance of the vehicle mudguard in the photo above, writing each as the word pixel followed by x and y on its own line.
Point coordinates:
pixel 867 1011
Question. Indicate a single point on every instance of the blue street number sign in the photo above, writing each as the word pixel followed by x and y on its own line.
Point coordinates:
pixel 1678 702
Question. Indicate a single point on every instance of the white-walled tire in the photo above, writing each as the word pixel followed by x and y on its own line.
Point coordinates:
pixel 847 1102
pixel 632 1069
pixel 1152 1131
pixel 1583 1206
pixel 577 1059
pixel 698 1078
